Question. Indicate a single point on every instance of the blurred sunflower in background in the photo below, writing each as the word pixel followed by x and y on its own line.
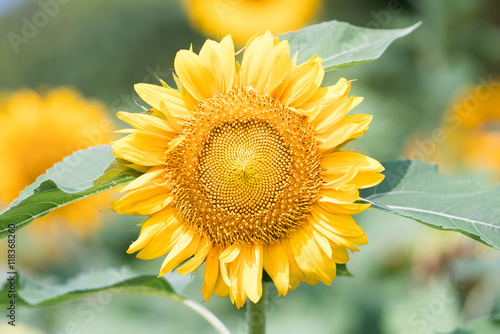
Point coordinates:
pixel 244 18
pixel 244 169
pixel 19 328
pixel 38 130
pixel 468 140
pixel 474 130
pixel 469 137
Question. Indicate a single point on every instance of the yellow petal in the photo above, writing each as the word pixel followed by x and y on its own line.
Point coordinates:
pixel 228 62
pixel 195 75
pixel 255 58
pixel 139 168
pixel 162 242
pixel 252 261
pixel 188 99
pixel 357 125
pixel 363 122
pixel 123 149
pixel 230 253
pixel 207 50
pixel 339 254
pixel 150 229
pixel 323 243
pixel 153 95
pixel 143 121
pixel 338 137
pixel 339 223
pixel 183 249
pixel 347 193
pixel 174 143
pixel 211 273
pixel 237 292
pixel 340 162
pixel 276 266
pixel 221 288
pixel 302 83
pixel 224 272
pixel 338 111
pixel 211 60
pixel 320 104
pixel 341 208
pixel 144 201
pixel 332 234
pixel 296 274
pixel 148 177
pixel 170 119
pixel 142 147
pixel 359 241
pixel 200 256
pixel 275 69
pixel 367 179
pixel 339 179
pixel 220 56
pixel 308 255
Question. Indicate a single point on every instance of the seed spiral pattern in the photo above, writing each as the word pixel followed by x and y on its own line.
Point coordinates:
pixel 247 170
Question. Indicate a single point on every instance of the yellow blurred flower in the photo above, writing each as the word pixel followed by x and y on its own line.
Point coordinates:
pixel 39 130
pixel 19 328
pixel 244 18
pixel 476 139
pixel 245 170
pixel 469 136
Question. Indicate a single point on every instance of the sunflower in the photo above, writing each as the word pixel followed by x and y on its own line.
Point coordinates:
pixel 243 18
pixel 470 133
pixel 477 134
pixel 244 169
pixel 38 131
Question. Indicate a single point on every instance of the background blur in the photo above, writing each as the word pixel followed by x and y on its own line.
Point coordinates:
pixel 409 279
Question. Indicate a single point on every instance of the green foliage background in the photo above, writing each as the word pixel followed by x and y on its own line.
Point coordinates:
pixel 104 47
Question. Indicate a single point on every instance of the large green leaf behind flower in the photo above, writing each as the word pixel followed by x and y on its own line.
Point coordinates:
pixel 102 284
pixel 78 176
pixel 416 190
pixel 341 44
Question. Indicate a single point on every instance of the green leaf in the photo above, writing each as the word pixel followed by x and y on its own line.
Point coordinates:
pixel 341 44
pixel 342 270
pixel 416 190
pixel 486 325
pixel 100 283
pixel 80 175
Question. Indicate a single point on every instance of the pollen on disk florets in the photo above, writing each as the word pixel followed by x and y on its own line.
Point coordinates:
pixel 247 170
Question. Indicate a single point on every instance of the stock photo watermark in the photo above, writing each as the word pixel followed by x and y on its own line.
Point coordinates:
pixel 271 303
pixel 31 26
pixel 11 274
pixel 126 101
pixel 89 307
pixel 380 20
pixel 225 7
pixel 421 320
pixel 453 118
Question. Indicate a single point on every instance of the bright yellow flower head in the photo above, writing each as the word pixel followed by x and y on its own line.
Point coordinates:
pixel 244 18
pixel 245 171
pixel 38 131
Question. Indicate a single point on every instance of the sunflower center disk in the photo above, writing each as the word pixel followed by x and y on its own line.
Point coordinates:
pixel 247 171
pixel 243 165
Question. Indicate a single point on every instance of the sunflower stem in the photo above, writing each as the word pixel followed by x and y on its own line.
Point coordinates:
pixel 256 313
